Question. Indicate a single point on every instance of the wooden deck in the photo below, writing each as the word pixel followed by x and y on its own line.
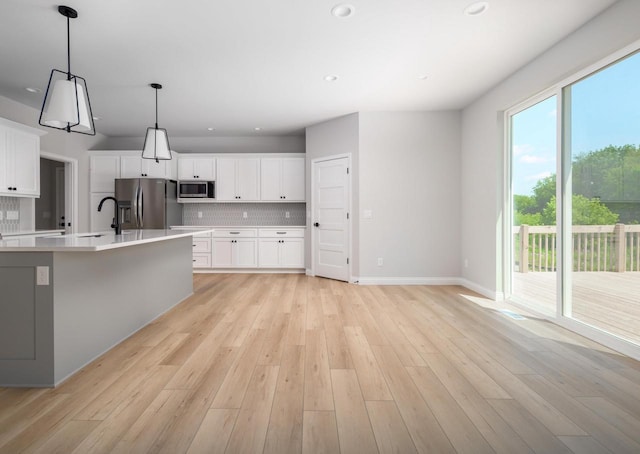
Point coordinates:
pixel 605 300
pixel 295 364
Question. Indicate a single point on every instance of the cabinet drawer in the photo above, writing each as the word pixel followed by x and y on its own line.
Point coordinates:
pixel 201 245
pixel 202 260
pixel 235 233
pixel 203 235
pixel 281 233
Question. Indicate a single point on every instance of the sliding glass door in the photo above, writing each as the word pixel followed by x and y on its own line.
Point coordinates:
pixel 573 206
pixel 534 262
pixel 602 148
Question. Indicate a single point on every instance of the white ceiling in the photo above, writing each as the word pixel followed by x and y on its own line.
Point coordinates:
pixel 236 65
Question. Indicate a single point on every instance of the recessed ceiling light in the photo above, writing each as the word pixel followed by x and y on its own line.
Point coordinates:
pixel 331 78
pixel 343 10
pixel 97 118
pixel 476 8
pixel 423 77
pixel 210 129
pixel 33 90
pixel 257 129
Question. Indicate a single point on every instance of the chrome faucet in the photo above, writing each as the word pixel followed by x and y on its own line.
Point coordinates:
pixel 116 221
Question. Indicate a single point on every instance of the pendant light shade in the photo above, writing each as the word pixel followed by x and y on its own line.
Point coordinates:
pixel 156 141
pixel 66 103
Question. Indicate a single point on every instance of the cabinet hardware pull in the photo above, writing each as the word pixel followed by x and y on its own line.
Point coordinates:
pixel 281 233
pixel 234 233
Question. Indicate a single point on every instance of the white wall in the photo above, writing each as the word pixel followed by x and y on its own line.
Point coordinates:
pixel 410 180
pixel 61 143
pixel 482 141
pixel 334 137
pixel 239 144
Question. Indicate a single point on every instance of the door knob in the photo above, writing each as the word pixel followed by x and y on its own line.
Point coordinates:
pixel 316 224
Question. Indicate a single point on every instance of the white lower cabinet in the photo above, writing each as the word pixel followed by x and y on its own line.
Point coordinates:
pixel 281 248
pixel 234 248
pixel 249 248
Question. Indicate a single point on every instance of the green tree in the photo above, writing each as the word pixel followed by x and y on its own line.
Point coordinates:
pixel 544 191
pixel 584 211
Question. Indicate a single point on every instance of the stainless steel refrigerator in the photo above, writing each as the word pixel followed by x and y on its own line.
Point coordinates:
pixel 151 203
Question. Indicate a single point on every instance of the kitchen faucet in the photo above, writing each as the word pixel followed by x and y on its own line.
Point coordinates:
pixel 116 221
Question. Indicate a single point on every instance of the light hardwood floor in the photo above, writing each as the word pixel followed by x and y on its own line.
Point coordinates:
pixel 289 363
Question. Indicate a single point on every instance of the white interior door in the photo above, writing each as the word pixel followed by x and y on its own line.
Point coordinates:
pixel 331 218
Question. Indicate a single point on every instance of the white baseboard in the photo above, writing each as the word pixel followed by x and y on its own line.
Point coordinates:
pixel 407 280
pixel 491 294
pixel 248 271
pixel 309 272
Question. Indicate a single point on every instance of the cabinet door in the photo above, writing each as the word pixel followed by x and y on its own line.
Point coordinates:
pixel 185 169
pixel 222 253
pixel 293 179
pixel 130 167
pixel 246 252
pixel 248 179
pixel 268 252
pixel 104 170
pixel 26 160
pixel 292 253
pixel 101 220
pixel 226 181
pixel 270 179
pixel 205 168
pixel 153 169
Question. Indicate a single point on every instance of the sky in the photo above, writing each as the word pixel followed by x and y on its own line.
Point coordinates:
pixel 605 110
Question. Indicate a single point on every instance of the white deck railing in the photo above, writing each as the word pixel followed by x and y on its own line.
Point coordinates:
pixel 595 248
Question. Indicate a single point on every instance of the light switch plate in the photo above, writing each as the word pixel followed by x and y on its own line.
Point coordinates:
pixel 367 214
pixel 13 215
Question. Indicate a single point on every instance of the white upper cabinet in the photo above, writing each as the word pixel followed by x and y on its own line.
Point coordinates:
pixel 136 167
pixel 19 162
pixel 282 179
pixel 238 179
pixel 197 168
pixel 104 170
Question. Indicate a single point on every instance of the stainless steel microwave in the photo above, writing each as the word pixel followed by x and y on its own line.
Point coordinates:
pixel 197 189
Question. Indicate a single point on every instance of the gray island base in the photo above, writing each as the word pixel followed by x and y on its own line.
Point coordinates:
pixel 61 309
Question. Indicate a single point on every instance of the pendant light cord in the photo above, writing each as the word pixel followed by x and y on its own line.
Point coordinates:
pixel 68 50
pixel 156 108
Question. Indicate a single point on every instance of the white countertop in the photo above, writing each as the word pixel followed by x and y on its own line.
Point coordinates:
pixel 92 242
pixel 282 227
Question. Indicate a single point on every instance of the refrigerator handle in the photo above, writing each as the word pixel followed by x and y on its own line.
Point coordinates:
pixel 134 201
pixel 141 217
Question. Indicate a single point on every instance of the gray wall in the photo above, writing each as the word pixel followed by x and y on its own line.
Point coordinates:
pixel 410 180
pixel 482 140
pixel 406 170
pixel 240 144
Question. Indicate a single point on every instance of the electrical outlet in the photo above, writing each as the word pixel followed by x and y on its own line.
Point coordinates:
pixel 244 215
pixel 13 215
pixel 367 214
pixel 286 214
pixel 380 261
pixel 42 275
pixel 199 214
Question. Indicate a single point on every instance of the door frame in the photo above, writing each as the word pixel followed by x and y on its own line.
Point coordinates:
pixel 70 187
pixel 349 208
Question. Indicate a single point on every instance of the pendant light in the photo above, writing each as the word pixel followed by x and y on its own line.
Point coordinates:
pixel 66 104
pixel 156 142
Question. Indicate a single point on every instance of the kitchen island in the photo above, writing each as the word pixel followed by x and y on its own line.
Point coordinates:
pixel 65 300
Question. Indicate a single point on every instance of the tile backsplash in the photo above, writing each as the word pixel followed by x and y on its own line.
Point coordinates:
pixel 231 214
pixel 9 204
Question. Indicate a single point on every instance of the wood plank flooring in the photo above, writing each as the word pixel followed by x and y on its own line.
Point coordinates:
pixel 294 364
